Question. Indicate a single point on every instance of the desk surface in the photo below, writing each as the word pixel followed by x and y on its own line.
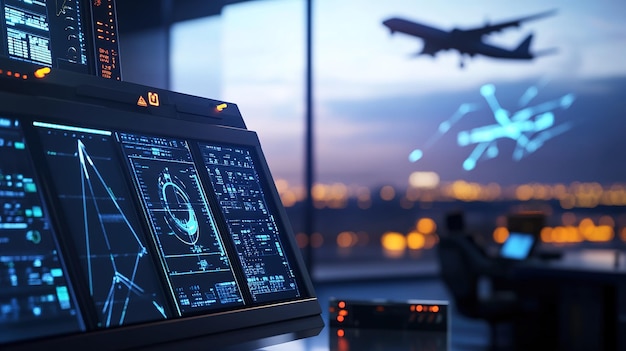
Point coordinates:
pixel 588 263
pixel 582 293
pixel 465 334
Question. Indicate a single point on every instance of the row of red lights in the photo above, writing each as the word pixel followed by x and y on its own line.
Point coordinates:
pixel 342 313
pixel 424 308
pixel 14 74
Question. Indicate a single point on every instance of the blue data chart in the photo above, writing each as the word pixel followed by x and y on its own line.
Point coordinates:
pixel 35 296
pixel 253 230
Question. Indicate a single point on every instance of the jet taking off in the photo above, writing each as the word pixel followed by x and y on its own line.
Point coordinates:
pixel 468 41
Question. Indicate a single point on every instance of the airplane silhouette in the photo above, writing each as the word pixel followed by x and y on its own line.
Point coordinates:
pixel 468 41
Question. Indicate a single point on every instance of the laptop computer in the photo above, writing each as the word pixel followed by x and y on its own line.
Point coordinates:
pixel 518 246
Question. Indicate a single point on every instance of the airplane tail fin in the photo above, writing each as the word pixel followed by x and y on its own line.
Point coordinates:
pixel 524 47
pixel 523 50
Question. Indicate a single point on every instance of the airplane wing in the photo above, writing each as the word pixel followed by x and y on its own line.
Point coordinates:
pixel 431 48
pixel 492 28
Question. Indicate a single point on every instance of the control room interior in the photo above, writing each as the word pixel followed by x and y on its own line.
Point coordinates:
pixel 406 163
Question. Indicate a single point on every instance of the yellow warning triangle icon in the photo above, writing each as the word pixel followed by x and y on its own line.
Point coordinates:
pixel 142 102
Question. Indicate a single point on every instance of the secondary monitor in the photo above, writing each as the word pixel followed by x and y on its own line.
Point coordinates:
pixel 140 218
pixel 36 295
pixel 75 35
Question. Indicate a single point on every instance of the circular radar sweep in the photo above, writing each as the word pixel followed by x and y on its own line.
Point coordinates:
pixel 180 215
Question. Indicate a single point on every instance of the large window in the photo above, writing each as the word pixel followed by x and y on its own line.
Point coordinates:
pixel 255 60
pixel 402 139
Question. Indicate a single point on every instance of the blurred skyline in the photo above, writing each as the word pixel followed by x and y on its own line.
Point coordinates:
pixel 376 101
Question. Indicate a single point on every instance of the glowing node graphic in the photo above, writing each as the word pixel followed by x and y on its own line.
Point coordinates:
pixel 487 89
pixel 469 164
pixel 415 155
pixel 530 127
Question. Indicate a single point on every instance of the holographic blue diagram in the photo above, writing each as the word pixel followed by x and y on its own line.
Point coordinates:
pixel 123 284
pixel 529 127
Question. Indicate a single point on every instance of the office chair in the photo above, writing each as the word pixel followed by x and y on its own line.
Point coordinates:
pixel 462 267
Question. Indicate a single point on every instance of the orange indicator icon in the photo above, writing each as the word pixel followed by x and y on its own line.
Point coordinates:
pixel 153 99
pixel 42 72
pixel 221 107
pixel 142 102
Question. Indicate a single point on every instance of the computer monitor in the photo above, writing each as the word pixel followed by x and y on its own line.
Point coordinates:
pixel 36 294
pixel 136 217
pixel 518 246
pixel 75 35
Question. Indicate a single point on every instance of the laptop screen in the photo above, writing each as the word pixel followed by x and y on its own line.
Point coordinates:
pixel 517 246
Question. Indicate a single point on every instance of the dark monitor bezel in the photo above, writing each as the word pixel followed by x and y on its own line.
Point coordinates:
pixel 292 318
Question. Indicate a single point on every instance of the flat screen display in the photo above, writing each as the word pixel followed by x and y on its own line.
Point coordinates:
pixel 183 225
pixel 49 33
pixel 103 223
pixel 517 246
pixel 74 35
pixel 250 220
pixel 164 226
pixel 36 297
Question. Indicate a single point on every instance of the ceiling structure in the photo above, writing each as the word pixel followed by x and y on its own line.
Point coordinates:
pixel 138 15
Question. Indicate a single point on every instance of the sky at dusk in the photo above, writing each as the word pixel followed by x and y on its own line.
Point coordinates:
pixel 376 102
